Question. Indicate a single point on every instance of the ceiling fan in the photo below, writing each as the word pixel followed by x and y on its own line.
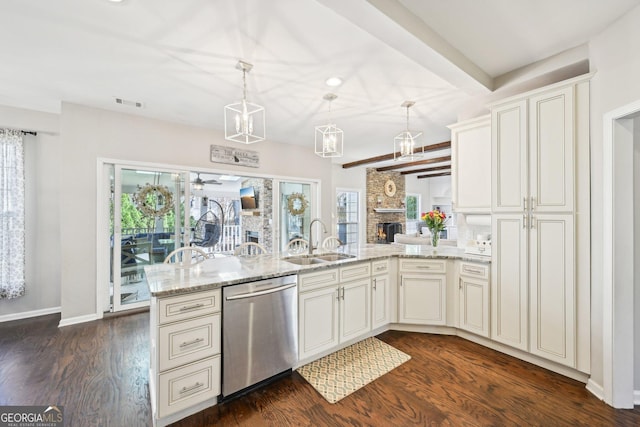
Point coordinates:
pixel 198 183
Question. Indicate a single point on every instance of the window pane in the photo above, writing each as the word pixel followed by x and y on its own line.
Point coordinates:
pixel 347 215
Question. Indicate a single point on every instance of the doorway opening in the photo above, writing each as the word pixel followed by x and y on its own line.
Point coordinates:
pixel 621 236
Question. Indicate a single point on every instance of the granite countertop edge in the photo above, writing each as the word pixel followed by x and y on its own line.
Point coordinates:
pixel 168 280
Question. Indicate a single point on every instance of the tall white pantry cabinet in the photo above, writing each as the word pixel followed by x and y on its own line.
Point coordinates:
pixel 540 223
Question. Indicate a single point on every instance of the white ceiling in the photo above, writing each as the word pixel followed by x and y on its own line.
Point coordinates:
pixel 178 58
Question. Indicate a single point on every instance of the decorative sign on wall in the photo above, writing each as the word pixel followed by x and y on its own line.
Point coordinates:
pixel 235 156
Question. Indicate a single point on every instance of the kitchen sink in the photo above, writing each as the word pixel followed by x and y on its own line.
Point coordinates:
pixel 304 260
pixel 317 259
pixel 334 257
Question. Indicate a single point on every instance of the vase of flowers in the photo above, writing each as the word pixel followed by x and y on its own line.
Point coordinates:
pixel 435 221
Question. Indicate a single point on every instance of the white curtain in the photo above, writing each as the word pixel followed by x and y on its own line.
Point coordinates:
pixel 11 214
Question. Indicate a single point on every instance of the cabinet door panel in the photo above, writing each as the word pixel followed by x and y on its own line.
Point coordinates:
pixel 318 321
pixel 552 286
pixel 509 157
pixel 474 305
pixel 423 299
pixel 355 309
pixel 509 280
pixel 552 148
pixel 471 167
pixel 381 301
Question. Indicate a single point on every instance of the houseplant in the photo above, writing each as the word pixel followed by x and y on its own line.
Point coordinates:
pixel 435 221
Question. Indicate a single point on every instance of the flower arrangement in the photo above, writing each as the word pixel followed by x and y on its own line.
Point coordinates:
pixel 435 221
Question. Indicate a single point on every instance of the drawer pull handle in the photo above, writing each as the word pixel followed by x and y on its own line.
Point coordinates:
pixel 192 342
pixel 426 267
pixel 192 388
pixel 472 270
pixel 380 268
pixel 191 307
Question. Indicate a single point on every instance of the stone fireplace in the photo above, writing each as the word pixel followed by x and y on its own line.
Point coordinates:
pixel 384 206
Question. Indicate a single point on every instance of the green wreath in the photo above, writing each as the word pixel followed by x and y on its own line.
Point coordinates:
pixel 147 205
pixel 297 204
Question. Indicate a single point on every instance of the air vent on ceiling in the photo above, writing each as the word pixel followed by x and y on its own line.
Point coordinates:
pixel 129 103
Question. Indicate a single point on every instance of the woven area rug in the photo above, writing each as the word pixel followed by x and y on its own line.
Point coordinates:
pixel 341 373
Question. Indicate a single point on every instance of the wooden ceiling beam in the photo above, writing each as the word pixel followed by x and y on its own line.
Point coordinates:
pixel 433 175
pixel 416 163
pixel 433 169
pixel 385 157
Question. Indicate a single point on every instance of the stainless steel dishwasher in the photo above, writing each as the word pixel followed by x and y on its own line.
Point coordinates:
pixel 259 331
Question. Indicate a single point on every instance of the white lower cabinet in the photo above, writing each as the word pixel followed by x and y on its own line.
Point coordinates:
pixel 318 317
pixel 185 374
pixel 380 294
pixel 473 283
pixel 423 292
pixel 335 313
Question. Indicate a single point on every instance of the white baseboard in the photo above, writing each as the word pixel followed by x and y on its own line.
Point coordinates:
pixel 596 389
pixel 28 314
pixel 636 397
pixel 78 319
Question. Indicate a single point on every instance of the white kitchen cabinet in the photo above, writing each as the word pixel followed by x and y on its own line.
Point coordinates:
pixel 422 291
pixel 473 282
pixel 355 309
pixel 185 348
pixel 533 283
pixel 318 316
pixel 338 312
pixel 380 294
pixel 509 280
pixel 552 291
pixel 471 165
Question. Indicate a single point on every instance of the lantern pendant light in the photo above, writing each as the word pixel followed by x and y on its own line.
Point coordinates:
pixel 244 122
pixel 329 138
pixel 404 143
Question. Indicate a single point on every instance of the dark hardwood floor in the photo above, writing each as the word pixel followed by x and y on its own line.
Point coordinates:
pixel 99 372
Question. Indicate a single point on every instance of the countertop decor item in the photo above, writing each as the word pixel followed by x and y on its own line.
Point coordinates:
pixel 154 200
pixel 435 221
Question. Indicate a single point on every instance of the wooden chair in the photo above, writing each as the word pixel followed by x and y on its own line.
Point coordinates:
pixel 331 243
pixel 250 249
pixel 186 257
pixel 297 246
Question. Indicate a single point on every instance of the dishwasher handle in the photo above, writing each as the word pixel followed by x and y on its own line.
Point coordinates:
pixel 258 293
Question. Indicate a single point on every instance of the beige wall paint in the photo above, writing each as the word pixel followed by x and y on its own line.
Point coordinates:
pixel 614 58
pixel 42 269
pixel 89 134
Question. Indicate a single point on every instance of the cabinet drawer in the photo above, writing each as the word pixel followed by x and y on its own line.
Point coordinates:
pixel 318 279
pixel 423 266
pixel 354 272
pixel 188 306
pixel 188 341
pixel 472 269
pixel 188 386
pixel 380 267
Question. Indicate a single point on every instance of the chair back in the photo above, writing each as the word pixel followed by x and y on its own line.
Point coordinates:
pixel 297 246
pixel 186 257
pixel 331 243
pixel 249 248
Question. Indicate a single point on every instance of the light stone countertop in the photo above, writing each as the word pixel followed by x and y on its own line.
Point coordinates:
pixel 166 279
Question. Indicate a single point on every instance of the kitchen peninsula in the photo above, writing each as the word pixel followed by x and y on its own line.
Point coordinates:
pixel 372 286
pixel 374 289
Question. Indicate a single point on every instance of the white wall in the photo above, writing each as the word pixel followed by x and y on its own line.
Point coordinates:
pixel 636 250
pixel 88 134
pixel 42 232
pixel 613 56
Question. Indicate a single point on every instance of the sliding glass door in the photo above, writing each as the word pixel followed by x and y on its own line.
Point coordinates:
pixel 146 223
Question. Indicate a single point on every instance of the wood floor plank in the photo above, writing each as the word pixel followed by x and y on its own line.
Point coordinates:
pixel 99 372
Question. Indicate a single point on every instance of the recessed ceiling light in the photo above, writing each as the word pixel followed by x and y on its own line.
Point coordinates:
pixel 115 1
pixel 333 81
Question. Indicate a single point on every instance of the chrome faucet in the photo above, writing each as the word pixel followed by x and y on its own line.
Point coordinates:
pixel 324 229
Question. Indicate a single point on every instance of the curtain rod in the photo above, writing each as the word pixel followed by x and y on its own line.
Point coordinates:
pixel 26 132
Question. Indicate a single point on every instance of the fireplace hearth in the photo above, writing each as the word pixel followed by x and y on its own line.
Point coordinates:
pixel 387 231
